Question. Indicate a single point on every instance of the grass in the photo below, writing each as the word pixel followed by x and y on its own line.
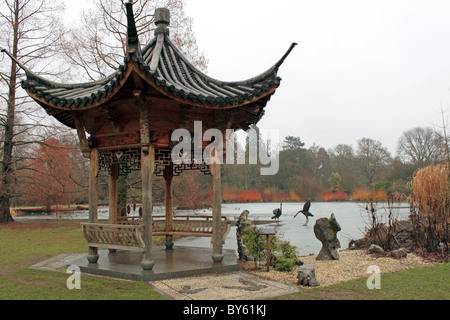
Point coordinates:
pixel 424 283
pixel 24 244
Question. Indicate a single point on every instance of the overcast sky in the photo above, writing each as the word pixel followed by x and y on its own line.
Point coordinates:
pixel 362 68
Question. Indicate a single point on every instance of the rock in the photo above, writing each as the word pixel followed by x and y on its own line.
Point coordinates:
pixel 374 248
pixel 401 234
pixel 404 232
pixel 326 230
pixel 307 276
pixel 299 262
pixel 242 226
pixel 399 253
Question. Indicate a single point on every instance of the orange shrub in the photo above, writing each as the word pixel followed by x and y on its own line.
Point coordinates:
pixel 269 194
pixel 230 195
pixel 250 196
pixel 293 196
pixel 335 196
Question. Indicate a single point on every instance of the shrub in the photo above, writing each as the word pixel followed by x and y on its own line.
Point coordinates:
pixel 286 256
pixel 284 264
pixel 431 200
pixel 293 196
pixel 335 196
pixel 282 254
pixel 250 196
pixel 256 244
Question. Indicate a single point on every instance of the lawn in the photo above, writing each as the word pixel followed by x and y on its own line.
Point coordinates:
pixel 24 244
pixel 423 283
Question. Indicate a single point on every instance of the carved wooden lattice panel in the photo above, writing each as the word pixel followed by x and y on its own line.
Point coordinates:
pixel 130 160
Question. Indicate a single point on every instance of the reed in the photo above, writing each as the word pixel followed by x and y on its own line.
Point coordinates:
pixel 430 200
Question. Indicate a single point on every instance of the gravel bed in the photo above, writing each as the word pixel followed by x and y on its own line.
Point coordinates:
pixel 351 265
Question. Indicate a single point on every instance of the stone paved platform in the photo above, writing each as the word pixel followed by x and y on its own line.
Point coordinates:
pixel 238 285
pixel 184 273
pixel 169 264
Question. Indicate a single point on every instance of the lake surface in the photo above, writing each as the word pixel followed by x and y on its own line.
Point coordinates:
pixel 352 217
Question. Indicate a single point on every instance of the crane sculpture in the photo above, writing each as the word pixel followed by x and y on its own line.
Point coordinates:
pixel 278 212
pixel 306 212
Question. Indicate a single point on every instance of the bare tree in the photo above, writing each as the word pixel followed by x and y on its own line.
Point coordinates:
pixel 420 146
pixel 372 157
pixel 343 162
pixel 29 33
pixel 97 46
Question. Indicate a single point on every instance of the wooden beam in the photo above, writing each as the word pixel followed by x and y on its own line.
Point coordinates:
pixel 82 136
pixel 217 254
pixel 93 199
pixel 138 82
pixel 121 140
pixel 113 193
pixel 144 119
pixel 113 118
pixel 147 169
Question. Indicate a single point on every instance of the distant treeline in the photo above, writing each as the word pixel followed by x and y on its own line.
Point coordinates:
pixel 57 174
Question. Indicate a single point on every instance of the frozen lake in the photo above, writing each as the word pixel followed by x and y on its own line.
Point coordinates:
pixel 351 216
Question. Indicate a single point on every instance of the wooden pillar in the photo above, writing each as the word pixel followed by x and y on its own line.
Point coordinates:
pixel 93 199
pixel 217 254
pixel 168 177
pixel 147 169
pixel 267 252
pixel 113 193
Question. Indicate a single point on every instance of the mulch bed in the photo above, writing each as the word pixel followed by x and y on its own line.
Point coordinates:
pixel 352 264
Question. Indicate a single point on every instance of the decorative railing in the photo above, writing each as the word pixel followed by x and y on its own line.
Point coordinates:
pixel 195 226
pixel 128 233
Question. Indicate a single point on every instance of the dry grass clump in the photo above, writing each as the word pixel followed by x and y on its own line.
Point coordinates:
pixel 431 198
pixel 430 191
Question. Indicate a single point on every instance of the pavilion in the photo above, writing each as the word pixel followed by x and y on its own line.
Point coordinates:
pixel 130 116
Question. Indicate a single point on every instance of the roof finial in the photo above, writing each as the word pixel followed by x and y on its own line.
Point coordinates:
pixel 132 35
pixel 162 21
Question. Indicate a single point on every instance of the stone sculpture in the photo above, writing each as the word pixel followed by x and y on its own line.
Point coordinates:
pixel 242 227
pixel 307 276
pixel 326 230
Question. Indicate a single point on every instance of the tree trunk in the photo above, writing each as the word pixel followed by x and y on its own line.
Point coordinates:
pixel 7 169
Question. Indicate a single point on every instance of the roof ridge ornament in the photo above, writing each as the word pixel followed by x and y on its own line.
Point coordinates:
pixel 162 21
pixel 133 45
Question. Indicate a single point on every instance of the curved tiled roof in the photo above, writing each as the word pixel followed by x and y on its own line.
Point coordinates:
pixel 174 74
pixel 161 64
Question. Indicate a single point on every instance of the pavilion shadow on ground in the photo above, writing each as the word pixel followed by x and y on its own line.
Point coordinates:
pixel 175 263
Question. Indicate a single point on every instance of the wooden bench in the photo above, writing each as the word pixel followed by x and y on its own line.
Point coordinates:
pixel 127 234
pixel 114 236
